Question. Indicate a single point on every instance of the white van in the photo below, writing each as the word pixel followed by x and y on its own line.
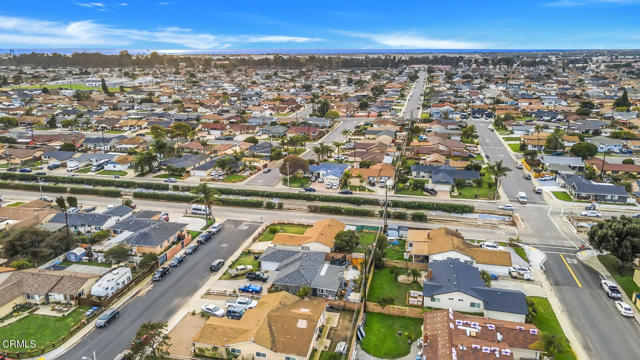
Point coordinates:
pixel 73 168
pixel 200 210
pixel 522 197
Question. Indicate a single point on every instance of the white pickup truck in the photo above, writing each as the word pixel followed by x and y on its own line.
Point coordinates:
pixel 522 197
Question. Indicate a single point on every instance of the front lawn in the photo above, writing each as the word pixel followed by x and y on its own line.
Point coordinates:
pixel 296 181
pixel 16 204
pixel 547 322
pixel 515 148
pixel 84 170
pixel 388 336
pixel 115 132
pixel 409 191
pixel 511 138
pixel 43 329
pixel 233 178
pixel 194 234
pixel 366 238
pixel 162 176
pixel 623 275
pixel 112 172
pixel 472 192
pixel 246 258
pixel 269 234
pixel 562 195
pixel 384 284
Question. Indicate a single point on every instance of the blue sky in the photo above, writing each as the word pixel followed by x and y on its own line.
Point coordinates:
pixel 215 24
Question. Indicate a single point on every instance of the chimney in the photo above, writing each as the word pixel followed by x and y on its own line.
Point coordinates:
pixel 429 274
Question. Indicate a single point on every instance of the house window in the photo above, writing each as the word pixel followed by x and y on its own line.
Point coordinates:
pixel 261 355
pixel 435 299
pixel 475 305
pixel 289 358
pixel 236 351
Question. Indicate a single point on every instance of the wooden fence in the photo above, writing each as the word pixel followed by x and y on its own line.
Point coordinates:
pixel 405 264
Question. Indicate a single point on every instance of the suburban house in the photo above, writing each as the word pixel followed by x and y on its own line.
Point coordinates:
pixel 331 172
pixel 119 163
pixel 84 222
pixel 563 163
pixel 119 212
pixel 156 237
pixel 444 243
pixel 263 148
pixel 298 268
pixel 452 284
pixel 375 173
pixel 606 144
pixel 310 131
pixel 76 254
pixel 274 131
pixel 448 335
pixel 45 286
pixel 537 141
pixel 613 169
pixel 319 237
pixel 281 327
pixel 583 189
pixel 57 156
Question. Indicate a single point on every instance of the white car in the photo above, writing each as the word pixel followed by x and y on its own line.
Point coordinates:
pixel 214 310
pixel 546 178
pixel 490 245
pixel 243 302
pixel 611 289
pixel 624 309
pixel 519 166
pixel 506 207
pixel 216 227
pixel 519 268
pixel 591 213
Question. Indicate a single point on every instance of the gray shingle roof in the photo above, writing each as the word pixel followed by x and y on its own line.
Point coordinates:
pixel 119 210
pixel 81 219
pixel 155 234
pixel 584 186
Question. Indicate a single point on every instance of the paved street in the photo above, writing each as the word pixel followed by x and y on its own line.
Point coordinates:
pixel 603 333
pixel 163 298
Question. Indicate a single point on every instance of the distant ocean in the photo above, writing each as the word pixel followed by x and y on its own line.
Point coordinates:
pixel 278 51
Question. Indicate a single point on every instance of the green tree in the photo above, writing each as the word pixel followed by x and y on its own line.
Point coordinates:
pixel 304 291
pixel 554 141
pixel 181 130
pixel 144 162
pixel 151 342
pixel 72 201
pixel 332 114
pixel 158 132
pixel 293 164
pixel 103 84
pixel 584 150
pixel 207 196
pixel 323 108
pixel 251 139
pixel 628 161
pixel 414 274
pixel 117 254
pixel 68 147
pixel 32 243
pixel 346 242
pixel 618 235
pixel 363 105
pixel 147 260
pixel 497 171
pixel 622 101
pixel 52 122
pixel 62 204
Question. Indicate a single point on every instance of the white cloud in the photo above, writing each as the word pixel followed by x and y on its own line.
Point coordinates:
pixel 163 3
pixel 576 3
pixel 91 4
pixel 25 32
pixel 123 4
pixel 410 40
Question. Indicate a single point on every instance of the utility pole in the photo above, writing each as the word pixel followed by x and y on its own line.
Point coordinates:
pixel 603 161
pixel 288 176
pixel 40 185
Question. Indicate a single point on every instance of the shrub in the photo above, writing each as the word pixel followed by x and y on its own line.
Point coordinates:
pixel 96 191
pixel 399 215
pixel 419 216
pixel 84 181
pixel 269 205
pixel 338 210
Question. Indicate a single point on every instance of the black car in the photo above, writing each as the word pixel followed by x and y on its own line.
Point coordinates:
pixel 41 173
pixel 191 249
pixel 177 260
pixel 257 276
pixel 205 237
pixel 345 192
pixel 309 189
pixel 235 313
pixel 431 191
pixel 216 265
pixel 106 317
pixel 160 273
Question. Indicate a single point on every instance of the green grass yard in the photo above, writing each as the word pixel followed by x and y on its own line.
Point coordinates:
pixel 384 284
pixel 246 258
pixel 366 238
pixel 623 276
pixel 547 322
pixel 112 172
pixel 382 339
pixel 233 178
pixel 162 176
pixel 296 181
pixel 484 192
pixel 515 148
pixel 16 204
pixel 84 170
pixel 396 252
pixel 45 330
pixel 267 235
pixel 562 195
pixel 511 138
pixel 115 132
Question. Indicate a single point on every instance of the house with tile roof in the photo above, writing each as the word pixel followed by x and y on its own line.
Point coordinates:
pixel 449 335
pixel 375 173
pixel 453 284
pixel 444 243
pixel 282 327
pixel 319 237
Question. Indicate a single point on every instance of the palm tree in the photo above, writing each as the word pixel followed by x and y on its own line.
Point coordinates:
pixel 497 171
pixel 415 274
pixel 346 133
pixel 478 183
pixel 206 195
pixel 538 128
pixel 64 205
pixel 144 162
pixel 318 151
pixel 327 150
pixel 315 99
pixel 336 145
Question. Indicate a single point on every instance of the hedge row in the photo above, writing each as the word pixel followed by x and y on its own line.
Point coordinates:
pixel 419 205
pixel 110 192
pixel 339 210
pixel 33 187
pixel 80 180
pixel 252 203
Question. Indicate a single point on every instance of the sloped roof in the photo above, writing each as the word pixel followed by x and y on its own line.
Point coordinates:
pixel 323 232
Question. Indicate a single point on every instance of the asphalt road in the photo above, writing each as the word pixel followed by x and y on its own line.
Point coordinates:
pixel 412 109
pixel 603 333
pixel 163 298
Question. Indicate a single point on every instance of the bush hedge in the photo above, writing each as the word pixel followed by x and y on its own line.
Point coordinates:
pixel 339 210
pixel 80 180
pixel 253 203
pixel 96 191
pixel 419 216
pixel 33 187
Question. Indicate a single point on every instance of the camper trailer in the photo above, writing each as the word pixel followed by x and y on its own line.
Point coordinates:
pixel 111 282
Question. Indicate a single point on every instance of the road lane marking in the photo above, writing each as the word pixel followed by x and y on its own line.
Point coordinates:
pixel 570 271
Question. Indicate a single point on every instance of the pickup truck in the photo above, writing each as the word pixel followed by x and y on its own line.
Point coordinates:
pixel 250 288
pixel 611 289
pixel 257 276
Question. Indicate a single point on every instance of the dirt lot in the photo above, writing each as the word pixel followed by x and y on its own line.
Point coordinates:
pixel 340 332
pixel 183 332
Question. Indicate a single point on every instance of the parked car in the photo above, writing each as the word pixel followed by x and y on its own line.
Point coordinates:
pixel 591 213
pixel 527 176
pixel 345 192
pixel 170 180
pixel 506 207
pixel 191 249
pixel 46 198
pixel 215 228
pixel 519 166
pixel 623 308
pixel 204 237
pixel 242 302
pixel 490 245
pixel 250 288
pixel 214 310
pixel 610 289
pixel 267 170
pixel 591 207
pixel 537 190
pixel 53 166
pixel 91 311
pixel 241 269
pixel 24 170
pixel 309 189
pixel 519 275
pixel 216 265
pixel 177 260
pixel 431 191
pixel 160 273
pixel 106 317
pixel 41 173
pixel 235 313
pixel 545 178
pixel 126 354
pixel 257 276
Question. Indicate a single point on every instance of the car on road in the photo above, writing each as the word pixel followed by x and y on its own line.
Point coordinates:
pixel 611 289
pixel 506 207
pixel 527 176
pixel 242 302
pixel 46 198
pixel 624 309
pixel 267 170
pixel 546 178
pixel 106 317
pixel 591 207
pixel 41 173
pixel 345 192
pixel 191 249
pixel 591 213
pixel 258 276
pixel 215 228
pixel 519 166
pixel 160 273
pixel 309 189
pixel 486 156
pixel 177 260
pixel 216 265
pixel 235 313
pixel 537 190
pixel 170 180
pixel 250 288
pixel 214 310
pixel 126 354
pixel 24 170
